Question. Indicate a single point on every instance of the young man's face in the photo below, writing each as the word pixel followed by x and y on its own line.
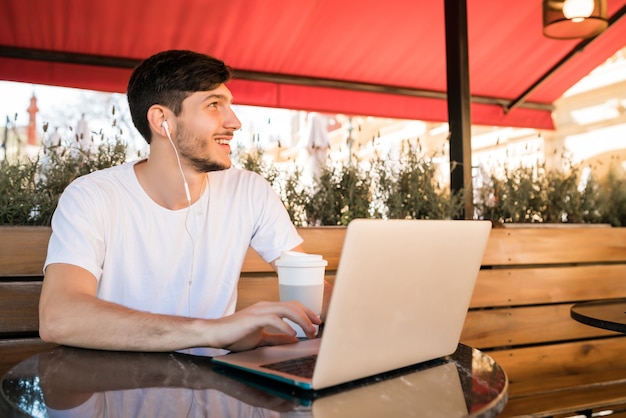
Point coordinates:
pixel 205 128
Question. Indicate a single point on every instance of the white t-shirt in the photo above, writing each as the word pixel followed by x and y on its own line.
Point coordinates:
pixel 145 256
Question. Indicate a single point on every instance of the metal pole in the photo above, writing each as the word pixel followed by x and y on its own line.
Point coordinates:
pixel 459 118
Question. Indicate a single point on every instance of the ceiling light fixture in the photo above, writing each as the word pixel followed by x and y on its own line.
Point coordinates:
pixel 572 19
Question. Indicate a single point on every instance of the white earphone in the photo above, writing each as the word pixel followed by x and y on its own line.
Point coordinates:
pixel 166 126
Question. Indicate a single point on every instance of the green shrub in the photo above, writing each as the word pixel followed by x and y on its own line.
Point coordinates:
pixel 30 188
pixel 408 189
pixel 533 194
pixel 613 197
pixel 339 195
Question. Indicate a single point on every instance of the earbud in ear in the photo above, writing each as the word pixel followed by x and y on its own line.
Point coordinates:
pixel 165 125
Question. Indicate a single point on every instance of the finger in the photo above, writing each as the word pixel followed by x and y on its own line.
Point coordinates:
pixel 305 326
pixel 284 309
pixel 306 318
pixel 298 307
pixel 280 326
pixel 270 314
pixel 278 339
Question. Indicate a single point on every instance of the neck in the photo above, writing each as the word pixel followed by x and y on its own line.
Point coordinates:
pixel 164 183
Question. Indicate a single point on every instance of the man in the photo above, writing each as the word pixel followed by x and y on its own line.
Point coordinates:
pixel 146 256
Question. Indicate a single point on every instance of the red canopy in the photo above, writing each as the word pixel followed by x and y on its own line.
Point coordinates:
pixel 340 56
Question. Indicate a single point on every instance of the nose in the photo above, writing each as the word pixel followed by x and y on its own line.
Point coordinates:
pixel 232 121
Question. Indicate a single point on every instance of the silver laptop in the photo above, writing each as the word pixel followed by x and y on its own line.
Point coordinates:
pixel 400 297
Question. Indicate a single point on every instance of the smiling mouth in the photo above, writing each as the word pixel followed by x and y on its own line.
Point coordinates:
pixel 223 141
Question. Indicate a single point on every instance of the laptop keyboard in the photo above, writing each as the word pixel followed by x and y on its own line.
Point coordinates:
pixel 301 366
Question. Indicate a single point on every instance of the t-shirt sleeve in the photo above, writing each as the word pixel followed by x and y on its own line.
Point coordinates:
pixel 77 236
pixel 274 231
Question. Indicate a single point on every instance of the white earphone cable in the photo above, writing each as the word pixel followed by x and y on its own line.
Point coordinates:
pixel 188 195
pixel 180 166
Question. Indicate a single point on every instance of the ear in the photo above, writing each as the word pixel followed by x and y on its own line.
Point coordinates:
pixel 157 114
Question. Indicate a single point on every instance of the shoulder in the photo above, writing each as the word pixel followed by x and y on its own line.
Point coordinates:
pixel 116 174
pixel 103 184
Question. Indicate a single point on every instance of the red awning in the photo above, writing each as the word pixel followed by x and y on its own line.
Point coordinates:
pixel 294 53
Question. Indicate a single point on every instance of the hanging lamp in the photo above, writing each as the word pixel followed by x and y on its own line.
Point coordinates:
pixel 571 19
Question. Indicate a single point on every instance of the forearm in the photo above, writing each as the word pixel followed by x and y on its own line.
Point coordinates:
pixel 70 313
pixel 88 322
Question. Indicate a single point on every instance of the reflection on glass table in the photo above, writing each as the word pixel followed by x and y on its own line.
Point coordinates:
pixel 71 382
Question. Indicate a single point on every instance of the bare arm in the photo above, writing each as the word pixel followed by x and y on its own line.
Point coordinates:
pixel 71 314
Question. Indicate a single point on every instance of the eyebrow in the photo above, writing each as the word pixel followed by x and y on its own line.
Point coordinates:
pixel 217 96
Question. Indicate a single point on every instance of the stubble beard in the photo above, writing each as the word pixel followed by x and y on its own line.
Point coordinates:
pixel 188 148
pixel 206 166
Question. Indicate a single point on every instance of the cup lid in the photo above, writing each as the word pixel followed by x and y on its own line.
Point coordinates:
pixel 298 259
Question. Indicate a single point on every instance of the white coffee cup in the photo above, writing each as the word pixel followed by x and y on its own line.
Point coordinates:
pixel 301 278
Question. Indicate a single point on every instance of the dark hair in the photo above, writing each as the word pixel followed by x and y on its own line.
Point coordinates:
pixel 167 78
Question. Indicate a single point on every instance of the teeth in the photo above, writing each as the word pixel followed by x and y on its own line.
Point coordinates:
pixel 222 141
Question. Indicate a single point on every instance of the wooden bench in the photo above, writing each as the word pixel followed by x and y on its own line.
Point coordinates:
pixel 20 285
pixel 519 313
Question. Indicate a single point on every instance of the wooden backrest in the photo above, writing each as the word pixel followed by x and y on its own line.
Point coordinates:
pixel 22 256
pixel 23 253
pixel 555 245
pixel 521 267
pixel 19 302
pixel 531 277
pixel 550 265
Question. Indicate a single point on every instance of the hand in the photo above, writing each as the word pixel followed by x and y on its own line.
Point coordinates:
pixel 247 329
